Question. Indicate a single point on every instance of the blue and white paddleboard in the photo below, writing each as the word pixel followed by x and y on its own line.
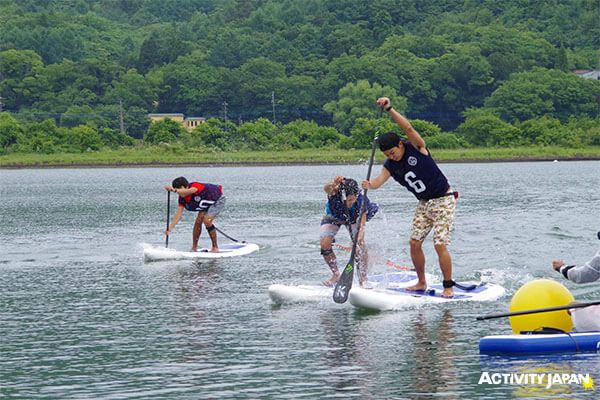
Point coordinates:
pixel 156 253
pixel 281 294
pixel 391 298
pixel 572 342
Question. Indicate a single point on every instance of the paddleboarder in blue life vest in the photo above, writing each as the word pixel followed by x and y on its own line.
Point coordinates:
pixel 411 165
pixel 342 209
pixel 204 198
pixel 588 318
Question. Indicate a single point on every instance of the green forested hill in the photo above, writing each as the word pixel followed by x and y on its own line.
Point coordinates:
pixel 496 64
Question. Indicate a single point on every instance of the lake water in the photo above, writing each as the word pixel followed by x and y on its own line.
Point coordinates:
pixel 82 316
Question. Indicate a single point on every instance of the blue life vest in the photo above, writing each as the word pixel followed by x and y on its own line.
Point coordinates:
pixel 337 212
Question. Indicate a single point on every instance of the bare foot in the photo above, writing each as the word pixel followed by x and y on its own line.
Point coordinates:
pixel 214 250
pixel 417 287
pixel 365 285
pixel 448 292
pixel 194 249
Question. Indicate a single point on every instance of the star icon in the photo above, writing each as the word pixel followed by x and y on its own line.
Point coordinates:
pixel 588 383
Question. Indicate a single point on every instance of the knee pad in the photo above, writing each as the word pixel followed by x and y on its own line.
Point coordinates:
pixel 211 228
pixel 326 252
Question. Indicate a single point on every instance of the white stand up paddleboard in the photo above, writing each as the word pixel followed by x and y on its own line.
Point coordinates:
pixel 281 294
pixel 392 298
pixel 155 253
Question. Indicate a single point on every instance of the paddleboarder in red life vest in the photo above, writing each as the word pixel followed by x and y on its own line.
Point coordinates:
pixel 205 198
pixel 411 165
pixel 588 318
pixel 343 209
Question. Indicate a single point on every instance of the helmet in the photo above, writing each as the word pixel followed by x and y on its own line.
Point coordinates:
pixel 349 187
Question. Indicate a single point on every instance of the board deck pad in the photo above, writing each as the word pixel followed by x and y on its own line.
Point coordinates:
pixel 437 289
pixel 391 297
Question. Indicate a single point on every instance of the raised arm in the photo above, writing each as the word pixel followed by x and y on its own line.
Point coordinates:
pixel 413 136
pixel 332 187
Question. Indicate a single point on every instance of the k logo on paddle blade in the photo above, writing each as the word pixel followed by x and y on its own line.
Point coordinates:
pixel 340 293
pixel 344 284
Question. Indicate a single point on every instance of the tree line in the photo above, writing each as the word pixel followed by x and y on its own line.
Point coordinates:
pixel 480 72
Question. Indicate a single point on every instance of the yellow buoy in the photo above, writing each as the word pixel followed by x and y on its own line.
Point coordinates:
pixel 541 293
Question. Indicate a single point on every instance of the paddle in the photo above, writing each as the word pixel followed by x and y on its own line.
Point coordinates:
pixel 168 215
pixel 344 284
pixel 538 310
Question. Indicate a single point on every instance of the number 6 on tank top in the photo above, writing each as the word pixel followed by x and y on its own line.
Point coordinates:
pixel 417 185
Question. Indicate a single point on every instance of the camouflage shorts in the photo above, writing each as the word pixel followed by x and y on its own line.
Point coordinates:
pixel 437 214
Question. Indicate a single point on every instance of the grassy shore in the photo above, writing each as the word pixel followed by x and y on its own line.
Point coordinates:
pixel 156 156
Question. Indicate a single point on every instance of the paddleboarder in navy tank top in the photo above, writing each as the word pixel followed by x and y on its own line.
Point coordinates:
pixel 411 165
pixel 205 198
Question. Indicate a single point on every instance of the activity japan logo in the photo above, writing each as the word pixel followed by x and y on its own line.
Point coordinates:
pixel 547 380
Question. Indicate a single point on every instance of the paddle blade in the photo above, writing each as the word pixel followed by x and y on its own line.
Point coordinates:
pixel 344 284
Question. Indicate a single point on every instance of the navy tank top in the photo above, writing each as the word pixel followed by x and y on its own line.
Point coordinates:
pixel 418 173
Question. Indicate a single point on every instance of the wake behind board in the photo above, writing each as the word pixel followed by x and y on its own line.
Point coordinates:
pixel 392 298
pixel 572 342
pixel 281 294
pixel 155 253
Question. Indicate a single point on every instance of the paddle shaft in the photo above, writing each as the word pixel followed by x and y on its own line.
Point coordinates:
pixel 538 310
pixel 362 206
pixel 168 215
pixel 344 284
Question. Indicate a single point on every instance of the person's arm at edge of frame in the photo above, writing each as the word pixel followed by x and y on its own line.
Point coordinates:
pixel 589 272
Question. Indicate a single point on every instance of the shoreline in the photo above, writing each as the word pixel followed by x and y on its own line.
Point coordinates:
pixel 157 157
pixel 274 163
